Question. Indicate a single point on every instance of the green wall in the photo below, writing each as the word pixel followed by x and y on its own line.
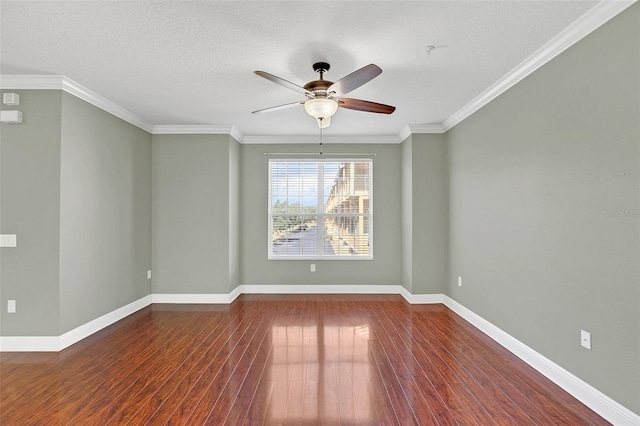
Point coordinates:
pixel 76 189
pixel 425 215
pixel 30 208
pixel 195 227
pixel 234 214
pixel 384 269
pixel 105 213
pixel 407 213
pixel 544 224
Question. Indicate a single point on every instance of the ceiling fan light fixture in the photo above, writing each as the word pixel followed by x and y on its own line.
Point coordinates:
pixel 324 97
pixel 321 108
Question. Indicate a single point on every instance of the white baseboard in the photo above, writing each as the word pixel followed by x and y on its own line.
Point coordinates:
pixel 606 407
pixel 421 299
pixel 29 344
pixel 215 299
pixel 86 330
pixel 235 293
pixel 320 289
pixel 277 289
pixel 299 289
pixel 58 343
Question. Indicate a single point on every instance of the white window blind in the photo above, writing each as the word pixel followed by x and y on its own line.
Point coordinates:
pixel 320 209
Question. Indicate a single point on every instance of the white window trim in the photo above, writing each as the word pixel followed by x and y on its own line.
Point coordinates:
pixel 270 256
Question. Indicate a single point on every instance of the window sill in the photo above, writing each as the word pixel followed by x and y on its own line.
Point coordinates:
pixel 340 258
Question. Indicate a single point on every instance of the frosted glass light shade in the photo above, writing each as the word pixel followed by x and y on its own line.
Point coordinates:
pixel 321 107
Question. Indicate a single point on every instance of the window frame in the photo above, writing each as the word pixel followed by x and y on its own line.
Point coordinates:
pixel 320 214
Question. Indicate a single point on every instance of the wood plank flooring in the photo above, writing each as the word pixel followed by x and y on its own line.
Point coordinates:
pixel 280 360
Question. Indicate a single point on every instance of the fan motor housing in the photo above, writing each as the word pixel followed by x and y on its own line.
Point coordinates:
pixel 318 85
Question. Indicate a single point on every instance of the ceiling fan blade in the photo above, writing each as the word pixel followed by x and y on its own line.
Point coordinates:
pixel 282 82
pixel 279 107
pixel 354 80
pixel 360 105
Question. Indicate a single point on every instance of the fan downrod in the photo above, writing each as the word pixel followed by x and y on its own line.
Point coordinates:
pixel 321 68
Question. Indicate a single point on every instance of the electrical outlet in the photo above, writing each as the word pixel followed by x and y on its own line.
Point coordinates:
pixel 459 281
pixel 313 267
pixel 149 274
pixel 11 306
pixel 585 339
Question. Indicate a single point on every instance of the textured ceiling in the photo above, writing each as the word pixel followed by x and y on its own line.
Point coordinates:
pixel 192 62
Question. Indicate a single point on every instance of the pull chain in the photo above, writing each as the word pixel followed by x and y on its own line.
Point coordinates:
pixel 321 134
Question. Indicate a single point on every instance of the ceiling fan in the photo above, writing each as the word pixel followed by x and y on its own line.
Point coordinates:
pixel 324 96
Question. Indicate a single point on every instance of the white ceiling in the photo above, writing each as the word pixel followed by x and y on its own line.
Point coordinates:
pixel 192 62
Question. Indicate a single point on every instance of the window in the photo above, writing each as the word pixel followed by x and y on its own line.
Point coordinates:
pixel 321 209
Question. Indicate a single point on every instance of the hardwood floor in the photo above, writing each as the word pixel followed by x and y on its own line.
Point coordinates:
pixel 312 359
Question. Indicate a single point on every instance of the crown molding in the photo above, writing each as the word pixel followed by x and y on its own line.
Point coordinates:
pixel 189 129
pixel 105 104
pixel 197 129
pixel 411 129
pixel 404 133
pixel 236 134
pixel 60 82
pixel 587 23
pixel 31 82
pixel 425 128
pixel 355 139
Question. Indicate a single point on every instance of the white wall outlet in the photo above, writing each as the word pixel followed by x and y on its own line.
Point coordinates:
pixel 149 274
pixel 313 267
pixel 585 339
pixel 459 281
pixel 11 306
pixel 8 240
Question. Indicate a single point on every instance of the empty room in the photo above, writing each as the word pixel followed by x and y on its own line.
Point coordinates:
pixel 322 213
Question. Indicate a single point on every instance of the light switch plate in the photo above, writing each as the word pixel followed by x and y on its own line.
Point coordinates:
pixel 11 306
pixel 8 240
pixel 585 339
